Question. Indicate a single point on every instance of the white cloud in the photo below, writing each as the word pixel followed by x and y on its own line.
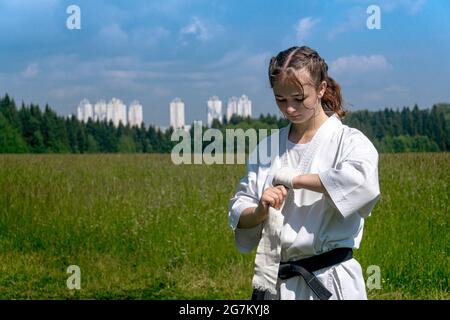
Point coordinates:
pixel 148 37
pixel 120 74
pixel 417 6
pixel 230 58
pixel 30 71
pixel 355 19
pixel 197 28
pixel 397 89
pixel 161 91
pixel 70 91
pixel 158 79
pixel 241 58
pixel 354 64
pixel 113 34
pixel 387 93
pixel 257 61
pixel 247 69
pixel 203 30
pixel 303 28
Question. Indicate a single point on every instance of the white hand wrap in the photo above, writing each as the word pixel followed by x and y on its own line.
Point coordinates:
pixel 285 176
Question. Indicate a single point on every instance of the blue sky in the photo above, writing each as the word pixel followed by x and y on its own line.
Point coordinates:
pixel 154 51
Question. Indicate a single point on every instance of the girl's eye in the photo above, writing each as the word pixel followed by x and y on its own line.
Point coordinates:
pixel 296 99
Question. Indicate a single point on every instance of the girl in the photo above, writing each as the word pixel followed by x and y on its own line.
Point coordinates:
pixel 305 210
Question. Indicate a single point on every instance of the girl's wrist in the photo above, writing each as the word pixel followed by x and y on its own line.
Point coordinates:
pixel 260 212
pixel 297 182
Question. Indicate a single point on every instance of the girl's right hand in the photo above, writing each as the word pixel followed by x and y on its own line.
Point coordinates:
pixel 273 197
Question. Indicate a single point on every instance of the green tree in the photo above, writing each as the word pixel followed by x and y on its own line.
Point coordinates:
pixel 126 144
pixel 10 139
pixel 31 119
pixel 424 144
pixel 92 144
pixel 9 111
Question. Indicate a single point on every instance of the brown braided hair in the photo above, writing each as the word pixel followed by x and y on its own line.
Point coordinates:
pixel 287 63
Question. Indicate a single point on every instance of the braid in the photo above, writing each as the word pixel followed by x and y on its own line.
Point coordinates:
pixel 288 59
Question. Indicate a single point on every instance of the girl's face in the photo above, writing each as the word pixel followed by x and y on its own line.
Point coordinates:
pixel 295 106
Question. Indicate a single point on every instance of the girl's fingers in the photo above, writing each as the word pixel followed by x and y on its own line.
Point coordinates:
pixel 268 198
pixel 280 194
pixel 275 196
pixel 279 199
pixel 283 189
pixel 275 199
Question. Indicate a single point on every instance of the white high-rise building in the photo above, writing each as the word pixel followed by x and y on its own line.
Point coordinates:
pixel 109 112
pixel 100 111
pixel 244 107
pixel 241 107
pixel 117 112
pixel 214 110
pixel 79 113
pixel 232 107
pixel 85 111
pixel 177 113
pixel 135 116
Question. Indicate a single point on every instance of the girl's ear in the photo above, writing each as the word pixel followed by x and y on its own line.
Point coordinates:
pixel 322 88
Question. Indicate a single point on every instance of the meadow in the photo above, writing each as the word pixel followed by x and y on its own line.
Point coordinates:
pixel 140 227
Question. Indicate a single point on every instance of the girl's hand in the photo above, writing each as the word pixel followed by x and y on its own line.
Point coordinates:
pixel 285 176
pixel 273 197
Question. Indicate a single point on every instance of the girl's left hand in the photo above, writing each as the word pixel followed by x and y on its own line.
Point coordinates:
pixel 285 177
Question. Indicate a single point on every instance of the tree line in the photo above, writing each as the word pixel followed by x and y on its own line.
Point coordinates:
pixel 29 129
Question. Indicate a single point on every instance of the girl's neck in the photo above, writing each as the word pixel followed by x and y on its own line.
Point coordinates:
pixel 303 132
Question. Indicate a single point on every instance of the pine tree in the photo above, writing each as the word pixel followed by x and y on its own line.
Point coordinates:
pixel 10 139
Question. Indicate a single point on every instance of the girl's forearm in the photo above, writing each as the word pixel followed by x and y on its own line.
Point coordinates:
pixel 251 217
pixel 309 181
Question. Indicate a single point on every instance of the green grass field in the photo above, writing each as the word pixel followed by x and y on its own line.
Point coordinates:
pixel 140 227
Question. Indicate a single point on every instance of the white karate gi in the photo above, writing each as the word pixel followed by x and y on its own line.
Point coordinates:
pixel 347 164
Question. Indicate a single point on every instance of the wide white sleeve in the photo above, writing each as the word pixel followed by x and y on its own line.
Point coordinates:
pixel 353 184
pixel 246 197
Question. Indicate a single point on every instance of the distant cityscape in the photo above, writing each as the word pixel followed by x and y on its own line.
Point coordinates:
pixel 116 111
pixel 236 106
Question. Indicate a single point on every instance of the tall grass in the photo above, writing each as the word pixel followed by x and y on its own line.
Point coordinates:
pixel 140 227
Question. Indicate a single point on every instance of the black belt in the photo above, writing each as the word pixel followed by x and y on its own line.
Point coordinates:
pixel 305 269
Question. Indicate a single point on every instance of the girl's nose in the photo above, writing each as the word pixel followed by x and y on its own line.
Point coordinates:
pixel 290 109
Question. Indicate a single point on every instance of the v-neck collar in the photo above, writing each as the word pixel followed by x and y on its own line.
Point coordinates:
pixel 326 128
